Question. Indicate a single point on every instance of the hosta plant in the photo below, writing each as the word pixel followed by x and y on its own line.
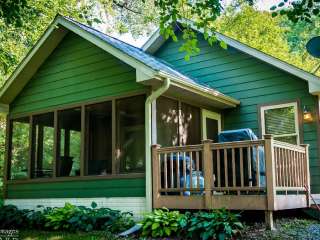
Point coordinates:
pixel 162 223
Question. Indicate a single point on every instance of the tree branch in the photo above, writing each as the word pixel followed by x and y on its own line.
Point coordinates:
pixel 125 6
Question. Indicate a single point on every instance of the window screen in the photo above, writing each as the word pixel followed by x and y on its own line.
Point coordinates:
pixel 190 131
pixel 281 121
pixel 43 144
pixel 19 142
pixel 69 145
pixel 99 138
pixel 130 134
pixel 167 122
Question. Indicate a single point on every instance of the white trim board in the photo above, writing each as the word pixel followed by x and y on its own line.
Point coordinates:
pixel 276 106
pixel 156 41
pixel 136 205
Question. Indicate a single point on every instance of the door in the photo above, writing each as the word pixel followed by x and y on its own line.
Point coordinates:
pixel 211 125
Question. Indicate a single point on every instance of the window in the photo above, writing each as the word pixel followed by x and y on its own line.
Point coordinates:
pixel 99 139
pixel 177 125
pixel 19 148
pixel 281 121
pixel 43 144
pixel 130 134
pixel 167 122
pixel 69 142
pixel 95 139
pixel 190 132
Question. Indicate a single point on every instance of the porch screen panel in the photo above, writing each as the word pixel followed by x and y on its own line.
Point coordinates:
pixel 99 139
pixel 190 130
pixel 130 134
pixel 282 123
pixel 19 154
pixel 69 145
pixel 167 122
pixel 43 144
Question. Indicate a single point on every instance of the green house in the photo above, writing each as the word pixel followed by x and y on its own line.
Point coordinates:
pixel 83 110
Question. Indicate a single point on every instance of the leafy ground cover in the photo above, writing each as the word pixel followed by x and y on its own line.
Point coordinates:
pixel 286 228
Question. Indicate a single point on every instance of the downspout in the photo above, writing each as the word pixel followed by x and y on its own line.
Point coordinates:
pixel 148 135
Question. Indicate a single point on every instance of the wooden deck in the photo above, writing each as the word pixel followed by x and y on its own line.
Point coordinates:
pixel 249 175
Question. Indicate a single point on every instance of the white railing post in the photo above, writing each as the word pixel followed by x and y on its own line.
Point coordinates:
pixel 208 172
pixel 270 179
pixel 307 172
pixel 155 174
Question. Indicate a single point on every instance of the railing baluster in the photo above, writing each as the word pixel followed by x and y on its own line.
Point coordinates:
pixel 165 171
pixel 233 168
pixel 225 168
pixel 249 164
pixel 177 168
pixel 241 167
pixel 171 173
pixel 190 170
pixel 197 169
pixel 276 160
pixel 184 170
pixel 218 168
pixel 258 168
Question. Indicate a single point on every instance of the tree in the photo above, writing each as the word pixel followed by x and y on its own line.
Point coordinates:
pixel 272 35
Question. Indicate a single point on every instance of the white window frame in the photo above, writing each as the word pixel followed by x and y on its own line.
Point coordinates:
pixel 211 115
pixel 276 106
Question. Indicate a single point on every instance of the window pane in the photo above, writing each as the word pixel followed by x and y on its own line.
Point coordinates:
pixel 130 134
pixel 212 129
pixel 190 130
pixel 43 141
pixel 19 148
pixel 69 144
pixel 167 122
pixel 99 139
pixel 280 120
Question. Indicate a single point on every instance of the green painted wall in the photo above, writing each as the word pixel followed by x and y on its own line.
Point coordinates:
pixel 251 81
pixel 75 72
pixel 78 189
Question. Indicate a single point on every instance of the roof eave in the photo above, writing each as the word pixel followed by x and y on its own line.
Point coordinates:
pixel 206 92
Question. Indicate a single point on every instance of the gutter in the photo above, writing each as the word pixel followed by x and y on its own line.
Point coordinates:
pixel 148 135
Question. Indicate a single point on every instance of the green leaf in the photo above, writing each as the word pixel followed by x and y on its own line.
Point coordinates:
pixel 155 225
pixel 223 45
pixel 94 204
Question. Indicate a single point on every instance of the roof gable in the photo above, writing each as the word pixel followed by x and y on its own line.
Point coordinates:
pixel 156 41
pixel 147 66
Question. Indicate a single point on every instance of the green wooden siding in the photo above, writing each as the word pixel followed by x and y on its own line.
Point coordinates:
pixel 251 81
pixel 76 71
pixel 77 189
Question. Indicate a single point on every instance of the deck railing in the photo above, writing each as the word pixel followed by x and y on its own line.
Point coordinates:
pixel 237 175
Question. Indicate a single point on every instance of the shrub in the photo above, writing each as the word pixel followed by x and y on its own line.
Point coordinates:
pixel 11 217
pixel 214 224
pixel 80 218
pixel 161 223
pixel 69 217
